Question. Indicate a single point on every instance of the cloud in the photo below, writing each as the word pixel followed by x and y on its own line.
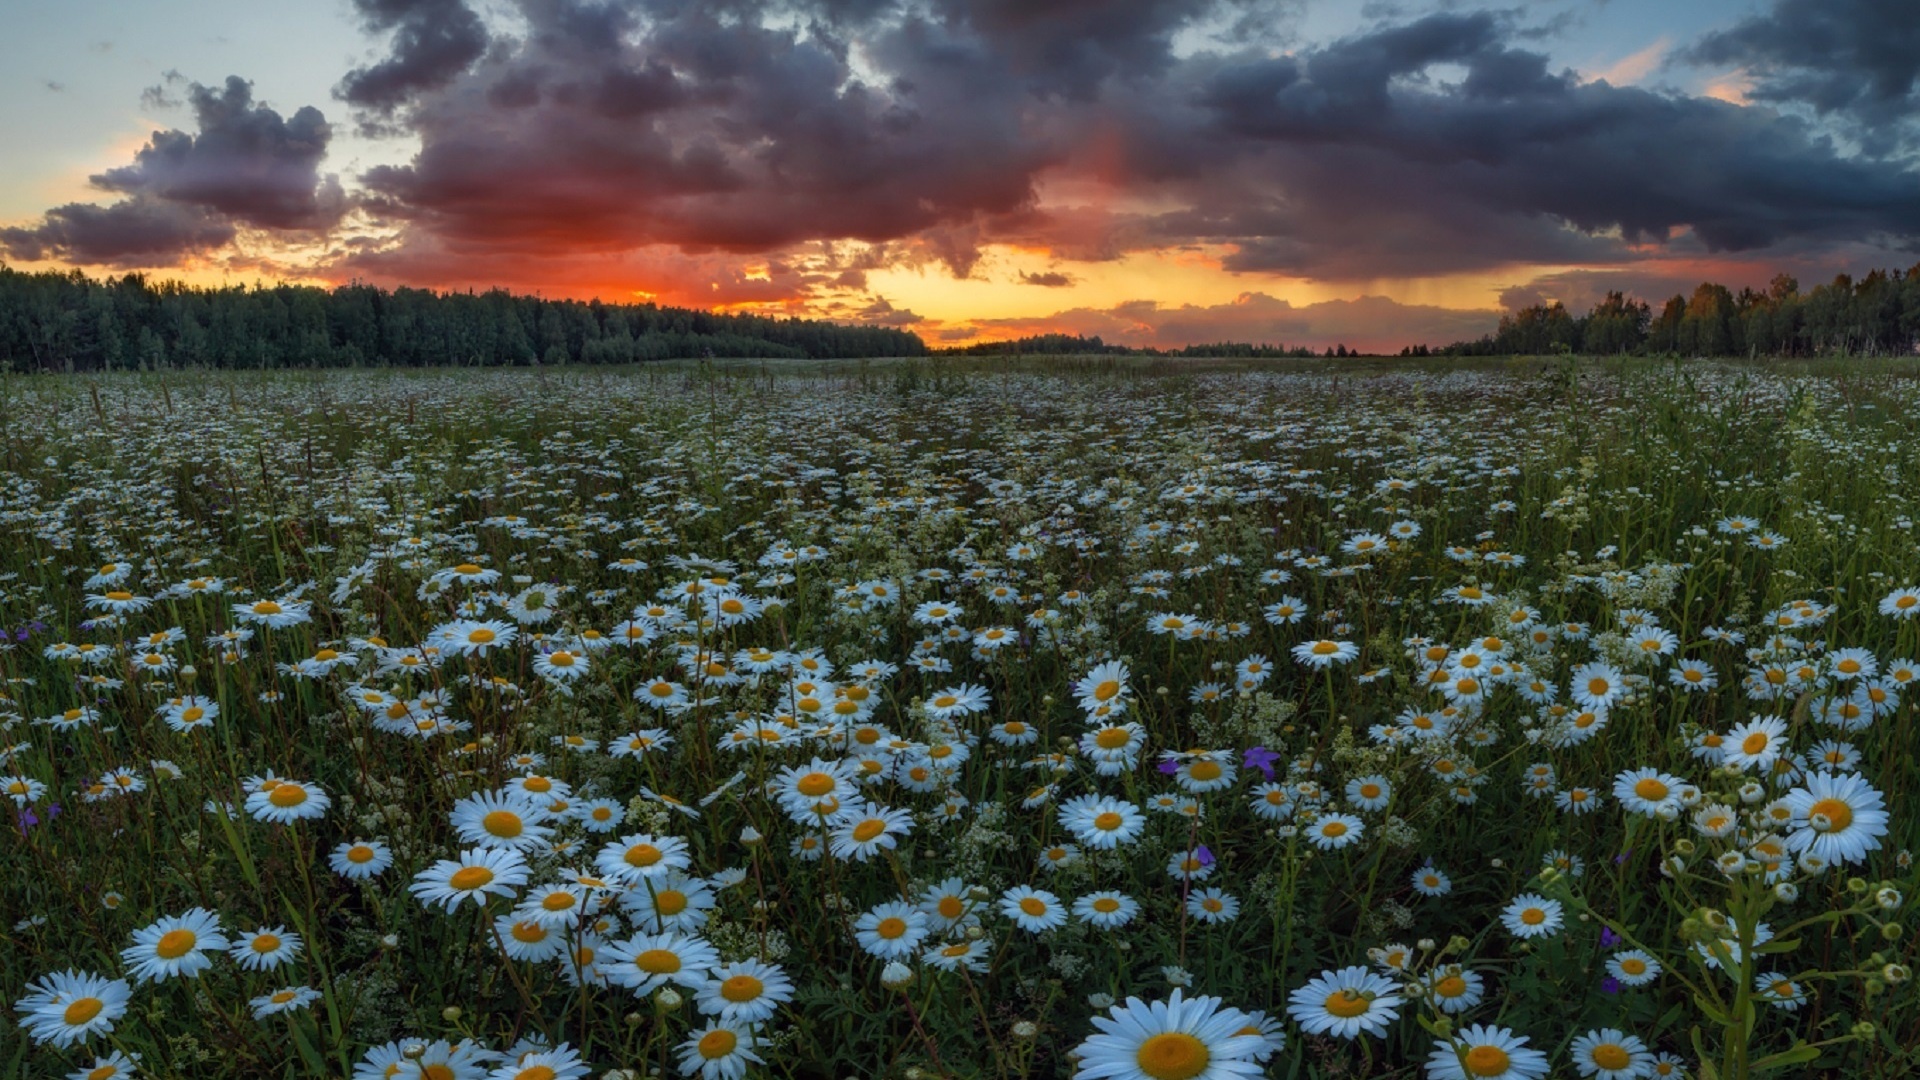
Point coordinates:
pixel 1050 279
pixel 248 167
pixel 140 231
pixel 1369 323
pixel 1854 60
pixel 433 41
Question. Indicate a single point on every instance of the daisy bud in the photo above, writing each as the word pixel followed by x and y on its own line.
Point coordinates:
pixel 1457 943
pixel 451 1014
pixel 634 1019
pixel 1752 792
pixel 413 1051
pixel 916 1073
pixel 668 1000
pixel 1497 863
pixel 1896 973
pixel 979 893
pixel 1856 885
pixel 1099 1001
pixel 896 975
pixel 750 836
pixel 1684 847
pixel 486 742
pixel 1024 1029
pixel 1425 944
pixel 974 933
pixel 1786 892
pixel 1864 1029
pixel 1875 986
pixel 1891 932
pixel 390 941
pixel 1888 899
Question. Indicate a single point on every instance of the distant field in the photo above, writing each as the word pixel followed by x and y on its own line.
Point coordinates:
pixel 906 718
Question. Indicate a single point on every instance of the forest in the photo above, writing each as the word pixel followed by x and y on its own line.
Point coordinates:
pixel 51 321
pixel 1877 315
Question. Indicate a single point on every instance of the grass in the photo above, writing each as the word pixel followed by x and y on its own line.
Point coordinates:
pixel 1612 496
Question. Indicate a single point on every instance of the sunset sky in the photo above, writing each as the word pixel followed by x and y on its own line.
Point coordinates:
pixel 1153 171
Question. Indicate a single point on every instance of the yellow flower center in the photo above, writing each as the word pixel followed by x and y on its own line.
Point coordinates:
pixel 658 962
pixel 1172 1055
pixel 266 607
pixel 1754 743
pixel 538 784
pixel 1611 1056
pixel 359 853
pixel 467 568
pixel 642 855
pixel 481 636
pixel 536 1072
pixel 1204 771
pixel 287 795
pixel 717 1043
pixel 1633 965
pixel 1650 789
pixel 1369 791
pixel 741 988
pixel 1488 1061
pixel 1838 813
pixel 558 901
pixel 1033 906
pixel 469 878
pixel 814 784
pixel 1533 916
pixel 82 1010
pixel 891 927
pixel 502 823
pixel 869 829
pixel 1346 1004
pixel 1334 829
pixel 174 944
pixel 1450 987
pixel 529 933
pixel 264 943
pixel 1107 690
pixel 670 901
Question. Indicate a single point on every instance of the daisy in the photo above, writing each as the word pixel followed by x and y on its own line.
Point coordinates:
pixel 744 992
pixel 670 902
pixel 1455 989
pixel 1430 881
pixel 1345 1003
pixel 1647 791
pixel 1177 1039
pixel 891 931
pixel 288 801
pixel 1106 910
pixel 68 1007
pixel 959 956
pixel 274 614
pixel 636 857
pixel 1101 821
pixel 1033 910
pixel 1611 1054
pixel 1838 817
pixel 1755 744
pixel 1485 1052
pixel 560 1063
pixel 175 945
pixel 1369 792
pixel 1325 653
pixel 719 1051
pixel 1530 915
pixel 646 962
pixel 476 875
pixel 494 820
pixel 1596 686
pixel 1334 831
pixel 1212 905
pixel 867 829
pixel 1780 991
pixel 1105 685
pixel 283 1000
pixel 1633 967
pixel 264 950
pixel 1901 603
pixel 360 860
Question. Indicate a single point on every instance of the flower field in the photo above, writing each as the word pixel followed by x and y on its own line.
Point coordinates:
pixel 1111 720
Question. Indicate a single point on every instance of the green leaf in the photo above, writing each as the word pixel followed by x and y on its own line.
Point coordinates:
pixel 1713 1014
pixel 1801 1053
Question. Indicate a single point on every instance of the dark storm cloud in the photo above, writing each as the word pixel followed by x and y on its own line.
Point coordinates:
pixel 135 232
pixel 187 194
pixel 433 41
pixel 1855 59
pixel 1433 146
pixel 247 162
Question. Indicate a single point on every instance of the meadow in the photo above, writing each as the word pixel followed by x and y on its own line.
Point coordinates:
pixel 941 718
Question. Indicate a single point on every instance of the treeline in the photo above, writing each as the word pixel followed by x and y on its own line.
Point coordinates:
pixel 1078 345
pixel 51 321
pixel 1876 315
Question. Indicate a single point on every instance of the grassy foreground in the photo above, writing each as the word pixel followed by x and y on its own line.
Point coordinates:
pixel 908 718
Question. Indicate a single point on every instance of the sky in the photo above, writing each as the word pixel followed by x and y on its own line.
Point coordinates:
pixel 1156 172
